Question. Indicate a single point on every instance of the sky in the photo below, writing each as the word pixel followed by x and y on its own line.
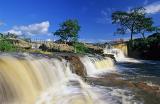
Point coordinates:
pixel 37 19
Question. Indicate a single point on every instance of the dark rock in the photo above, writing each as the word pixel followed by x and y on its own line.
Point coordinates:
pixel 76 65
pixel 110 56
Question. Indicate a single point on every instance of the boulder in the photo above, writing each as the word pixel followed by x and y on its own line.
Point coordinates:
pixel 76 65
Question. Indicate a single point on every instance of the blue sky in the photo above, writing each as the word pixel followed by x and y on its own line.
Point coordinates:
pixel 38 18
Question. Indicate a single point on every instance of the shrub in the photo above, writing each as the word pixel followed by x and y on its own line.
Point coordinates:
pixel 150 43
pixel 43 47
pixel 6 46
pixel 80 48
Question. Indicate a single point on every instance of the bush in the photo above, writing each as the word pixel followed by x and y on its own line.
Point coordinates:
pixel 6 46
pixel 80 48
pixel 43 47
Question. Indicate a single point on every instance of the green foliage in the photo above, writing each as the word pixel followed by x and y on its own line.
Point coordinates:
pixel 156 29
pixel 144 25
pixel 6 46
pixel 68 31
pixel 43 47
pixel 80 48
pixel 148 48
pixel 135 21
pixel 150 43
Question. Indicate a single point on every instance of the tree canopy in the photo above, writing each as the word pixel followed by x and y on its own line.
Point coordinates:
pixel 134 21
pixel 68 31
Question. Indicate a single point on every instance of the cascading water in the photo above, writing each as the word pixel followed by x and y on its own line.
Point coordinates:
pixel 97 65
pixel 119 55
pixel 30 80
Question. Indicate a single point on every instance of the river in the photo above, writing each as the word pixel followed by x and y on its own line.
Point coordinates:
pixel 30 79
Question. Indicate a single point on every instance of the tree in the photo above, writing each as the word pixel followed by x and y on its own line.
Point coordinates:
pixel 156 29
pixel 68 31
pixel 134 21
pixel 145 25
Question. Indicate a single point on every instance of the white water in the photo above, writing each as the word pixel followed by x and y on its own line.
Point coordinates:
pixel 39 80
pixel 42 81
pixel 119 55
pixel 96 66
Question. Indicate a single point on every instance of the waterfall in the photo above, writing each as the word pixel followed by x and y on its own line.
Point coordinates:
pixel 119 55
pixel 38 80
pixel 97 65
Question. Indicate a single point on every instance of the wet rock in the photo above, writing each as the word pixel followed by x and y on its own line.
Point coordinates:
pixel 110 55
pixel 150 89
pixel 76 65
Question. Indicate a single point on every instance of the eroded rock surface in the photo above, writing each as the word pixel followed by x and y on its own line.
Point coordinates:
pixel 76 65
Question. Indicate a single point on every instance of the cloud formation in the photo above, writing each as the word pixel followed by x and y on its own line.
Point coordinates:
pixel 32 29
pixel 153 8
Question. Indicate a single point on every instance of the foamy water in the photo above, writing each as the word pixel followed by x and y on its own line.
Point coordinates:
pixel 38 80
pixel 96 66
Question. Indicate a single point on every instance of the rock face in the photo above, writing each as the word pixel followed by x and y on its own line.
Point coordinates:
pixel 76 65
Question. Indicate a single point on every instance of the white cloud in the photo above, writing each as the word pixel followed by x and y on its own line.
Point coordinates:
pixel 153 8
pixel 32 29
